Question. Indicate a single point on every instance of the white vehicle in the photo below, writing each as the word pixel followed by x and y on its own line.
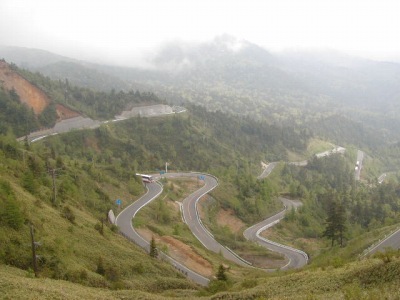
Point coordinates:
pixel 146 178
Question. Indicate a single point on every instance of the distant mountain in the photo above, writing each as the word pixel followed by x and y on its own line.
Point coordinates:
pixel 83 75
pixel 239 77
pixel 30 58
pixel 299 87
pixel 60 67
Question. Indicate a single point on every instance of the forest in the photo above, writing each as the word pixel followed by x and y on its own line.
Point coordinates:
pixel 76 177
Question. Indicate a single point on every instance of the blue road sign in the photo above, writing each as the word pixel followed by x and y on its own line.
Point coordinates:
pixel 118 201
pixel 202 177
pixel 162 172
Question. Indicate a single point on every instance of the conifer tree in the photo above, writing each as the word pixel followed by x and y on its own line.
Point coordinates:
pixel 340 222
pixel 336 221
pixel 221 273
pixel 153 248
pixel 12 215
pixel 330 231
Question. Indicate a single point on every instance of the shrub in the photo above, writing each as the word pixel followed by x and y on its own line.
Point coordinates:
pixel 68 214
pixel 100 266
pixel 99 228
pixel 11 214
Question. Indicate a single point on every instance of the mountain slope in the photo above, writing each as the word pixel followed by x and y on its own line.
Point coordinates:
pixel 61 68
pixel 28 94
pixel 242 78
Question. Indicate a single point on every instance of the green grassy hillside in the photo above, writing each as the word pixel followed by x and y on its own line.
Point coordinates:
pixel 367 279
pixel 74 245
pixel 65 184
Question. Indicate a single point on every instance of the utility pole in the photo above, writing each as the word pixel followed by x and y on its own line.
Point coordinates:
pixel 34 257
pixel 166 167
pixel 53 175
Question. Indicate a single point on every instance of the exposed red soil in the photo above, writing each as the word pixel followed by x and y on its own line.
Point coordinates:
pixel 228 218
pixel 181 252
pixel 28 93
pixel 65 113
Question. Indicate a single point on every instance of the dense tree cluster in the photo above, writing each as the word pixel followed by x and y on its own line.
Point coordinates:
pixel 14 115
pixel 96 104
pixel 20 119
pixel 334 204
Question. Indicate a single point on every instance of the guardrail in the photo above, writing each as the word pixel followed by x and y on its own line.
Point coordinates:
pixel 200 279
pixel 374 246
pixel 202 225
pixel 305 255
pixel 258 232
pixel 238 257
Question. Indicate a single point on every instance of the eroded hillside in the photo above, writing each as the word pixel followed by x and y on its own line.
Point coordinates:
pixel 28 93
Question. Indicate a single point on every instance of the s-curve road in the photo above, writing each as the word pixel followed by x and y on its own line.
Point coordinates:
pixel 297 258
pixel 191 217
pixel 124 218
pixel 124 222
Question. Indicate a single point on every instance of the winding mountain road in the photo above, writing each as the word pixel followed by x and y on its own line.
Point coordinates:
pixel 192 219
pixel 124 222
pixel 297 258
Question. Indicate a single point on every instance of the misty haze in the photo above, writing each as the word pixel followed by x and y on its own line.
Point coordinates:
pixel 199 150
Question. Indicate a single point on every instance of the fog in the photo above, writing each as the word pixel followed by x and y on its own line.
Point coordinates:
pixel 126 32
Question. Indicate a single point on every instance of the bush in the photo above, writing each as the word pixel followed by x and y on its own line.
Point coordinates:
pixel 11 214
pixel 100 267
pixel 112 274
pixel 216 286
pixel 99 228
pixel 68 214
pixel 249 283
pixel 138 268
pixel 114 228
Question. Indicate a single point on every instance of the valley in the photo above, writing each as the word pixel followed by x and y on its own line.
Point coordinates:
pixel 85 147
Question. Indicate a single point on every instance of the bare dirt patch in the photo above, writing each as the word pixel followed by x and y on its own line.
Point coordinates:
pixel 181 252
pixel 28 93
pixel 64 113
pixel 228 218
pixel 91 142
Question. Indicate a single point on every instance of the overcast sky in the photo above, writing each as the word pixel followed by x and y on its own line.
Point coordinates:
pixel 118 29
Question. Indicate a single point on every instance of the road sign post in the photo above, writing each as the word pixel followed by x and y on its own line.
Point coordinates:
pixel 118 202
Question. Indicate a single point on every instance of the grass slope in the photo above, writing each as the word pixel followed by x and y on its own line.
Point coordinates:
pixel 366 279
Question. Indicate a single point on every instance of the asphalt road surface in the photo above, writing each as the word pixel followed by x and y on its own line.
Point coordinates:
pixel 360 158
pixel 297 258
pixel 191 217
pixel 124 222
pixel 267 170
pixel 392 241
